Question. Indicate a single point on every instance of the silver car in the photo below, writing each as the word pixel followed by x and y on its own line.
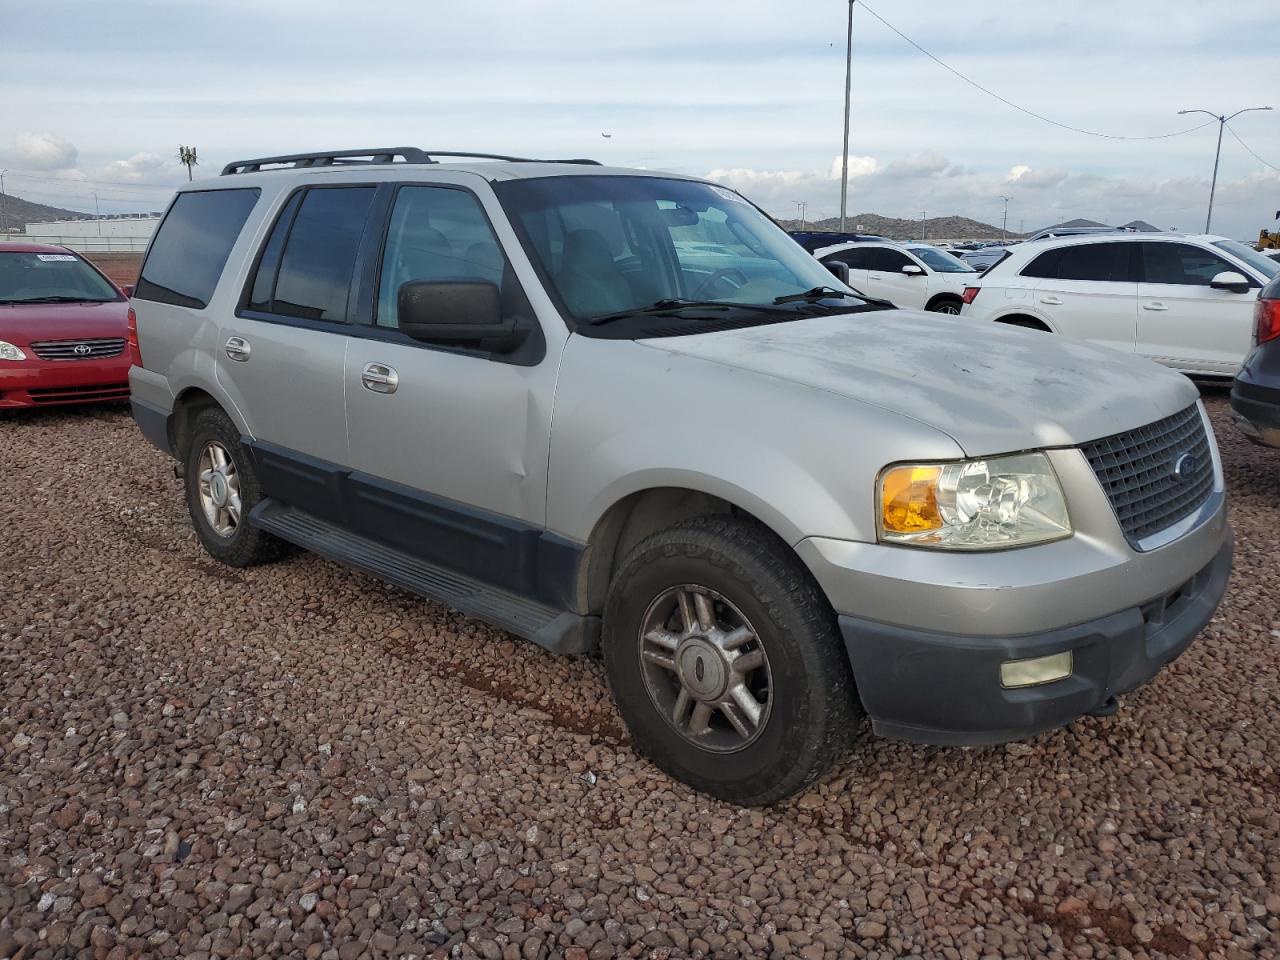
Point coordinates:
pixel 609 410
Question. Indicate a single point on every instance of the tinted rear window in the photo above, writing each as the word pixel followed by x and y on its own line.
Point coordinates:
pixel 318 261
pixel 192 246
pixel 1103 262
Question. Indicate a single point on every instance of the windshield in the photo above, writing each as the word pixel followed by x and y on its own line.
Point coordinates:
pixel 51 278
pixel 611 246
pixel 1259 261
pixel 940 260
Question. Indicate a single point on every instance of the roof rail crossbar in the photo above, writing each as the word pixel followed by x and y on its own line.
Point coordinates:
pixel 374 156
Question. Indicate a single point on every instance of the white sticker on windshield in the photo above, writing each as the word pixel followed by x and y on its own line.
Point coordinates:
pixel 46 257
pixel 727 194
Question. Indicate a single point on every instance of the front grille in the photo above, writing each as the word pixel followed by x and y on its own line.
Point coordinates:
pixel 99 392
pixel 1139 471
pixel 79 349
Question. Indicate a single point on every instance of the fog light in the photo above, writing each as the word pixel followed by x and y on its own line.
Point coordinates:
pixel 1037 670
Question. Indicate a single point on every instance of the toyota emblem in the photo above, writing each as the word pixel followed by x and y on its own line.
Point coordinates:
pixel 82 349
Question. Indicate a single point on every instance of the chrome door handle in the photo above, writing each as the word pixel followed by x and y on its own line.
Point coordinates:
pixel 1051 301
pixel 379 378
pixel 238 349
pixel 1154 306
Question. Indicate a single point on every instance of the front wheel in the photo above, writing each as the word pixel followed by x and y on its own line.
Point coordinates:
pixel 222 488
pixel 726 663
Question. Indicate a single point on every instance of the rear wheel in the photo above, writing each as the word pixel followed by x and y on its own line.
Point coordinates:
pixel 945 305
pixel 725 661
pixel 222 488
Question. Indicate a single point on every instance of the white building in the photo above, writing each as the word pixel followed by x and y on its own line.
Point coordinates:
pixel 92 235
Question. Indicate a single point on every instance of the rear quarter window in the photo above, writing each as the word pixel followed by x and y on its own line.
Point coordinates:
pixel 191 247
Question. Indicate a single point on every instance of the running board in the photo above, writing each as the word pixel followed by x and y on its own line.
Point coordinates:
pixel 560 631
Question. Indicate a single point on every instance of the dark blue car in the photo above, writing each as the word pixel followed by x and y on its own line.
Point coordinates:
pixel 1255 395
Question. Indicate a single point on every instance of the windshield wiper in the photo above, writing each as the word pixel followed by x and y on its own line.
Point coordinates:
pixel 817 293
pixel 57 299
pixel 666 305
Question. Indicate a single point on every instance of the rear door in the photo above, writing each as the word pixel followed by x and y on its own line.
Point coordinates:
pixel 281 357
pixel 1184 322
pixel 858 260
pixel 1088 291
pixel 886 279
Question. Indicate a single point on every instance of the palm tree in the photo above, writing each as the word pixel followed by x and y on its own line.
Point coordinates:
pixel 187 157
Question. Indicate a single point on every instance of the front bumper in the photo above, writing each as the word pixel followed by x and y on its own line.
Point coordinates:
pixel 944 689
pixel 41 383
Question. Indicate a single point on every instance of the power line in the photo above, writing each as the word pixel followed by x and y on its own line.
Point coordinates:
pixel 1018 107
pixel 1250 149
pixel 145 184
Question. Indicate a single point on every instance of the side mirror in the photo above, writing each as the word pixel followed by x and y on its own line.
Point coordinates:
pixel 838 270
pixel 127 290
pixel 1230 280
pixel 455 311
pixel 911 270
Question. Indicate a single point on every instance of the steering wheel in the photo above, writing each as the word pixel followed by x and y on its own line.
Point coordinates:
pixel 725 273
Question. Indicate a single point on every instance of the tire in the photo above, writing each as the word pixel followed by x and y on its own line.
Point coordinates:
pixel 237 543
pixel 804 694
pixel 947 305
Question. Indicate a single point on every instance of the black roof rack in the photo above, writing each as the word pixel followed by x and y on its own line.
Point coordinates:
pixel 376 155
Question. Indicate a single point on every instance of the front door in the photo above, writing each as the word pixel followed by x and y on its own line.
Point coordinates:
pixel 448 444
pixel 886 279
pixel 1184 322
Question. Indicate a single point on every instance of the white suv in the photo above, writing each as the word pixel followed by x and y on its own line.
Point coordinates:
pixel 1184 300
pixel 913 275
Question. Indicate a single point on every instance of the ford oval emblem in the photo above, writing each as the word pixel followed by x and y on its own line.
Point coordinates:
pixel 1184 466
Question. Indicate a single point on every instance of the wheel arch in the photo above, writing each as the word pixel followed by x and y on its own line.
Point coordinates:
pixel 641 513
pixel 945 295
pixel 187 405
pixel 1025 319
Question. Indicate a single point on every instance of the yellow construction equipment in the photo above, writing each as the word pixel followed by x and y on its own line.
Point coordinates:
pixel 1269 239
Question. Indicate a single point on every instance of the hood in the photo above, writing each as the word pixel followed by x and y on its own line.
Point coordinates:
pixel 992 388
pixel 22 324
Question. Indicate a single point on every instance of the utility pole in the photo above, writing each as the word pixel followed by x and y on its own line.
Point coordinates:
pixel 1004 226
pixel 1223 120
pixel 800 205
pixel 848 87
pixel 3 203
pixel 924 229
pixel 97 214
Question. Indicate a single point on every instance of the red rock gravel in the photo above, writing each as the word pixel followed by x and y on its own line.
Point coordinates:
pixel 299 761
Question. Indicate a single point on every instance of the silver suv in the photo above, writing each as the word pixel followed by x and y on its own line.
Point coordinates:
pixel 619 411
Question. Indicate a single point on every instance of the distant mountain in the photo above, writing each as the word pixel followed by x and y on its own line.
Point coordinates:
pixel 18 213
pixel 1141 226
pixel 1078 222
pixel 937 228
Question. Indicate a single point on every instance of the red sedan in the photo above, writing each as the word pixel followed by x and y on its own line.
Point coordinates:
pixel 64 335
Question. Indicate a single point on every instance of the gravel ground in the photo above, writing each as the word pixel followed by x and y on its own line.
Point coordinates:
pixel 297 760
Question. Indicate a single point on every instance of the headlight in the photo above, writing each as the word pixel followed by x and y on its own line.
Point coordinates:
pixel 9 352
pixel 973 504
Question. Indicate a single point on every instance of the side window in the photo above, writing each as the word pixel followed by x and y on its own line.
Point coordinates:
pixel 857 259
pixel 192 245
pixel 306 266
pixel 1180 263
pixel 436 233
pixel 1103 262
pixel 890 261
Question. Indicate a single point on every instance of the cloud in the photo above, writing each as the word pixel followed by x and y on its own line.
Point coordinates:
pixel 44 151
pixel 139 167
pixel 917 165
pixel 1025 176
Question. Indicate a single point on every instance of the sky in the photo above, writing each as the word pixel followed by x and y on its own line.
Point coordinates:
pixel 97 96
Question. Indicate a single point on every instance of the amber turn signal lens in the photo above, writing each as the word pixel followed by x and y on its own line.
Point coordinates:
pixel 909 500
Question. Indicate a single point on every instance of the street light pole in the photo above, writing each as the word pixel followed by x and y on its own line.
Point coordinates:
pixel 1223 120
pixel 848 88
